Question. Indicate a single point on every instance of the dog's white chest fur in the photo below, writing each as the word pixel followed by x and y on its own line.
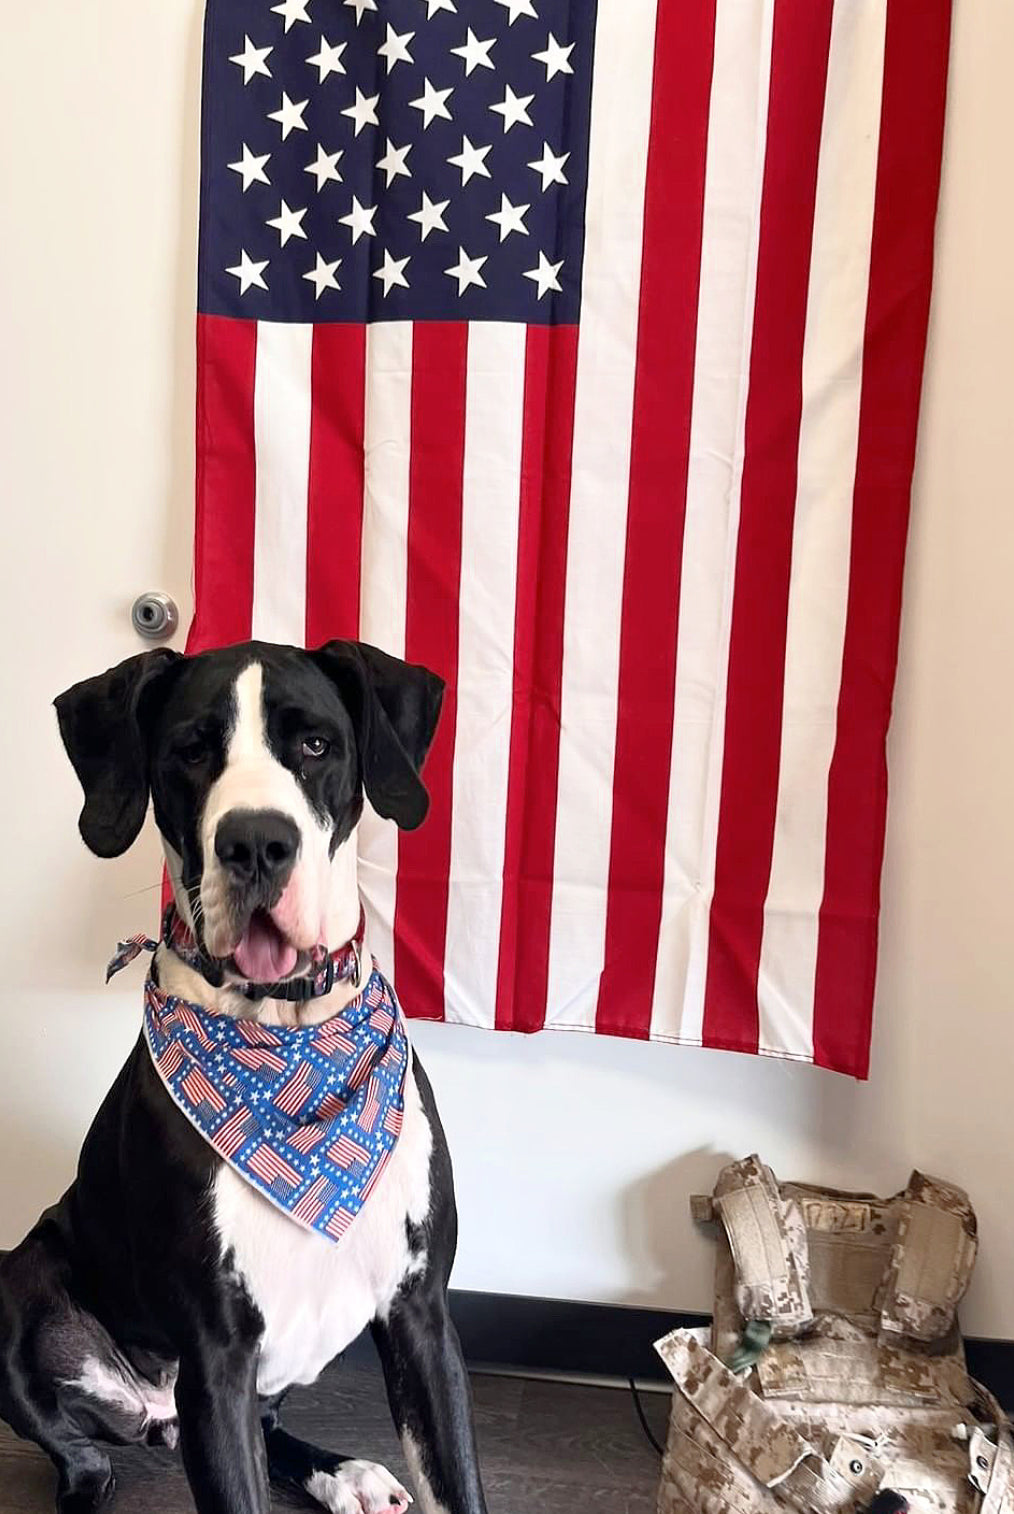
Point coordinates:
pixel 315 1297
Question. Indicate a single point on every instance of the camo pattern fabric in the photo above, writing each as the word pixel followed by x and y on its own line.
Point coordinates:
pixel 730 1452
pixel 842 1408
pixel 768 1240
pixel 830 1367
pixel 931 1262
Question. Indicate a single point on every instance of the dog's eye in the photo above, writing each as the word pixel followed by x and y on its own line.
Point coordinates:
pixel 193 751
pixel 316 746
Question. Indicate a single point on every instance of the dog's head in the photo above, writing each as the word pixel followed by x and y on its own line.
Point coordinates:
pixel 256 759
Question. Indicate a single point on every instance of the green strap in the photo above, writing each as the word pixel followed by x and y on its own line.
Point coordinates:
pixel 755 1340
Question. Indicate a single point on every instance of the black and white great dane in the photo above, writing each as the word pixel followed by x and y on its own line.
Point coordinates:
pixel 163 1296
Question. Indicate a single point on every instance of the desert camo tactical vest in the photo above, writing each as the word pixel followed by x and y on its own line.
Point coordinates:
pixel 839 1312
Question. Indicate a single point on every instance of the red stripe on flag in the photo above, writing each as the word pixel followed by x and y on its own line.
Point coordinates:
pixel 226 483
pixel 547 438
pixel 656 510
pixel 439 377
pixel 901 272
pixel 800 50
pixel 334 525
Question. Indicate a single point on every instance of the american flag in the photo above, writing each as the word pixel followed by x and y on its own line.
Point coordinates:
pixel 349 1153
pixel 200 1092
pixel 371 1108
pixel 272 1169
pixel 259 1058
pixel 256 1034
pixel 236 1131
pixel 296 1092
pixel 575 352
pixel 317 1197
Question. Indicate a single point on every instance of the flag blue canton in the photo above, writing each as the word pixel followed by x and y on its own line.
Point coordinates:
pixel 371 160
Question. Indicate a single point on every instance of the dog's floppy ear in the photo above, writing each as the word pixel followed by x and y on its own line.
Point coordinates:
pixel 102 722
pixel 394 706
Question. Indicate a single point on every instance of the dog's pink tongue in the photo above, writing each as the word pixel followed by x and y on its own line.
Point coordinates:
pixel 263 955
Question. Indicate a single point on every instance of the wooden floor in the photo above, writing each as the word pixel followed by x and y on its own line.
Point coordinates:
pixel 542 1445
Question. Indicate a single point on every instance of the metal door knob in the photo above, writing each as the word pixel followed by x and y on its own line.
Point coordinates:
pixel 155 616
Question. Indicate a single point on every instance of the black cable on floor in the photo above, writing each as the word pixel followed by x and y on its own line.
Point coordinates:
pixel 641 1416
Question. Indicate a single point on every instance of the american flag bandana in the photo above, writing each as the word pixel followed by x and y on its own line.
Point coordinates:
pixel 309 1116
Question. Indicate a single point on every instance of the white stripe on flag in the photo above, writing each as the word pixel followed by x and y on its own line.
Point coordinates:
pixel 491 498
pixel 282 409
pixel 737 134
pixel 384 578
pixel 821 540
pixel 600 477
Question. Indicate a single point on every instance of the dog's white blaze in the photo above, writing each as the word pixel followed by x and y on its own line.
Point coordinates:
pixel 320 902
pixel 358 1487
pixel 429 1503
pixel 316 1296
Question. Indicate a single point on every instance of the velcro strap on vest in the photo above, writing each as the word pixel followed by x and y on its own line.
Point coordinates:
pixel 767 1237
pixel 931 1262
pixel 762 1440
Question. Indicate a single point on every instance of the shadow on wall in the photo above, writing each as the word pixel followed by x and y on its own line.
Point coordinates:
pixel 655 1214
pixel 808 1124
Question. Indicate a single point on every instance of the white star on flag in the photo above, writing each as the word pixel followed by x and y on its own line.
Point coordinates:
pixel 430 215
pixel 293 11
pixel 555 57
pixel 509 218
pixel 252 168
pixel 252 60
pixel 395 48
pixel 518 8
pixel 392 271
pixel 289 115
pixel 513 108
pixel 361 5
pixel 550 167
pixel 393 162
pixel 432 102
pixel 474 52
pixel 471 160
pixel 359 220
pixel 325 167
pixel 248 272
pixel 323 275
pixel 432 6
pixel 329 59
pixel 364 111
pixel 288 223
pixel 467 271
pixel 546 275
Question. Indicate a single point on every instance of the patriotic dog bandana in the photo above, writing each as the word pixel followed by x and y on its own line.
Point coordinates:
pixel 307 1116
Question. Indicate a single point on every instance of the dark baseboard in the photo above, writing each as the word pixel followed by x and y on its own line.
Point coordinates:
pixel 562 1335
pixel 615 1340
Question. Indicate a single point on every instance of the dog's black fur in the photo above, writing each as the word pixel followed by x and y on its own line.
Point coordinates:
pixel 127 1267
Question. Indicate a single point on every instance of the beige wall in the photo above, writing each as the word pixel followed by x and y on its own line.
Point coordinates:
pixel 96 281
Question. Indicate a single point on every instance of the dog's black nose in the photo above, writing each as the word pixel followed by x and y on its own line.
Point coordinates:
pixel 256 846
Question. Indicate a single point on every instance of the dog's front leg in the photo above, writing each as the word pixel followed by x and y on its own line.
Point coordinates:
pixel 220 1432
pixel 431 1399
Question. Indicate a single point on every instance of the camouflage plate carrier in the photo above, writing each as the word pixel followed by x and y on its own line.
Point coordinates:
pixel 839 1312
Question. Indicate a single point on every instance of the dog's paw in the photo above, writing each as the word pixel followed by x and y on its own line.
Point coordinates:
pixel 87 1494
pixel 359 1487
